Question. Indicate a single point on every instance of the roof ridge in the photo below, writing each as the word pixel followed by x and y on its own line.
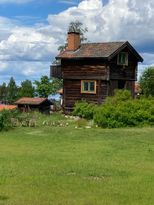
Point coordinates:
pixel 106 42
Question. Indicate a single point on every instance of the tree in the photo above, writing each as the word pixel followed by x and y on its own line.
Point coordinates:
pixel 75 26
pixel 3 92
pixel 47 86
pixel 147 82
pixel 56 84
pixel 12 91
pixel 26 89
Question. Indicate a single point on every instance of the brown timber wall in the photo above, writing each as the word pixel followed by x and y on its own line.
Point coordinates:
pixel 85 69
pixel 72 93
pixel 124 72
pixel 129 85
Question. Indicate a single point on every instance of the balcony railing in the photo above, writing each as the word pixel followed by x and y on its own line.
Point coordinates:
pixel 55 71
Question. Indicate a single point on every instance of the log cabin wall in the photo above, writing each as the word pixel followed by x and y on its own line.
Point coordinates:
pixel 121 72
pixel 72 93
pixel 75 71
pixel 85 69
pixel 128 74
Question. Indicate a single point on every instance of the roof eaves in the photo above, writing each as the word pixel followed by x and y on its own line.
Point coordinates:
pixel 126 43
pixel 117 51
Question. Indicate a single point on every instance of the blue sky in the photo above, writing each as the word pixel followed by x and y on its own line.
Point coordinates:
pixel 32 30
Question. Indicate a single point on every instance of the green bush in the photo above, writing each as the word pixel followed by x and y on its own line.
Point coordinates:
pixel 122 112
pixel 119 110
pixel 84 110
pixel 5 119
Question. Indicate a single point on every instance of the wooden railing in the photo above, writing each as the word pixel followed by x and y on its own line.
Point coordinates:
pixel 55 71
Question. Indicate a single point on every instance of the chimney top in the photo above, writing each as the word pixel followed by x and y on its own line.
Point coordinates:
pixel 73 40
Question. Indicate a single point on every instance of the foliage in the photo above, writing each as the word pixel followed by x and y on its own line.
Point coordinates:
pixel 147 82
pixel 125 112
pixel 3 92
pixel 119 110
pixel 5 119
pixel 84 109
pixel 56 84
pixel 26 89
pixel 47 86
pixel 12 91
pixel 75 26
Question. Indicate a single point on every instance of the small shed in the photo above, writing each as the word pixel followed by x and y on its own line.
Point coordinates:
pixel 27 104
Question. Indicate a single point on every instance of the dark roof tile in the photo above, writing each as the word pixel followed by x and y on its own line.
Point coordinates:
pixel 93 50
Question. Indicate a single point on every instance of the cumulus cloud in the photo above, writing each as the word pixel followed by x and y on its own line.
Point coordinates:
pixel 131 20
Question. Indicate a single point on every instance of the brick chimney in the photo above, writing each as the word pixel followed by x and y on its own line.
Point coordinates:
pixel 73 40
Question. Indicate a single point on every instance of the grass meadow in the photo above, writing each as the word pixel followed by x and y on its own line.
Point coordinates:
pixel 66 166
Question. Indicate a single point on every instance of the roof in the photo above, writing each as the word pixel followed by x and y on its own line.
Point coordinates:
pixel 30 101
pixel 98 50
pixel 60 91
pixel 7 107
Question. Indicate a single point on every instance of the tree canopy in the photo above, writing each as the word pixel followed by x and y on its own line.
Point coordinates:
pixel 147 82
pixel 47 86
pixel 12 91
pixel 26 89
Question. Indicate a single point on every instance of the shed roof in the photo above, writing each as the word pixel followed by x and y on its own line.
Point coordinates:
pixel 30 101
pixel 99 50
pixel 7 107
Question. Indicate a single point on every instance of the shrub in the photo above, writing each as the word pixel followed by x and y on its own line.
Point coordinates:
pixel 125 113
pixel 84 109
pixel 5 119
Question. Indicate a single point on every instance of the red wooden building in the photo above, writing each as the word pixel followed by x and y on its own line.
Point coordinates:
pixel 92 71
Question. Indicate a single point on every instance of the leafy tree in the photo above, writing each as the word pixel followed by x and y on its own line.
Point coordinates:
pixel 75 26
pixel 147 82
pixel 47 86
pixel 56 84
pixel 12 91
pixel 3 92
pixel 26 89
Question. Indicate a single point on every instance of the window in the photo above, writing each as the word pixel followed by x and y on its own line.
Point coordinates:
pixel 123 58
pixel 88 86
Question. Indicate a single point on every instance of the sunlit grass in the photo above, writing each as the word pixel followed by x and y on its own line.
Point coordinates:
pixel 68 166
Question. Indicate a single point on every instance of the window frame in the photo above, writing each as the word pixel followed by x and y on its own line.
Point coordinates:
pixel 88 81
pixel 126 56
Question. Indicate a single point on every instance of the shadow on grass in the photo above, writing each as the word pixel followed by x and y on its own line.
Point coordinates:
pixel 3 198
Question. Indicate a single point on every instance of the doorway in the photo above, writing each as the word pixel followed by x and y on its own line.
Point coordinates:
pixel 121 84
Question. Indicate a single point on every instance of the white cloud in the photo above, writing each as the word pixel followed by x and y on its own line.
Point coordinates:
pixel 23 70
pixel 131 20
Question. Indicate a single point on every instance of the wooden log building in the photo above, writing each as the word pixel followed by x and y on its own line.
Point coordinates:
pixel 27 104
pixel 92 71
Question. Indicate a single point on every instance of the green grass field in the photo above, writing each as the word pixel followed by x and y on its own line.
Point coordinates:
pixel 68 166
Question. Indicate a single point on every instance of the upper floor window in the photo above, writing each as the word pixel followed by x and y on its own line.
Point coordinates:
pixel 88 86
pixel 123 58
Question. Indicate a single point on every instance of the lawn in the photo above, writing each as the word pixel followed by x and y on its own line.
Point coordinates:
pixel 68 166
